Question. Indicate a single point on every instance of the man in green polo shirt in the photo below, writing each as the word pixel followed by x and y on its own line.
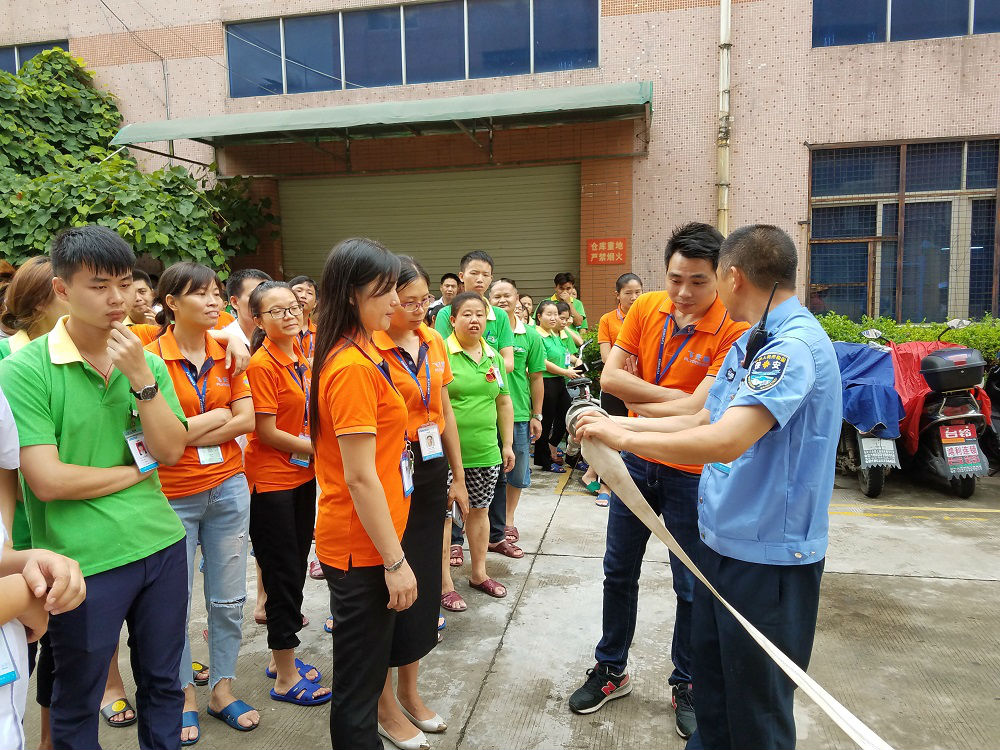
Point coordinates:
pixel 565 284
pixel 95 415
pixel 476 273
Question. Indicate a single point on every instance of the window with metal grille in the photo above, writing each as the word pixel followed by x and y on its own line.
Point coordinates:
pixel 839 22
pixel 12 58
pixel 905 230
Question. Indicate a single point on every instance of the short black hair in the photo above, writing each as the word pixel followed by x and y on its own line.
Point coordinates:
pixel 303 279
pixel 92 246
pixel 695 240
pixel 460 299
pixel 564 278
pixel 234 284
pixel 562 306
pixel 452 276
pixel 475 255
pixel 764 253
pixel 139 275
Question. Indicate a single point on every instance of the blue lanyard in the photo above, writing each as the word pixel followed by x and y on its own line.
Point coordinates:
pixel 427 372
pixel 299 376
pixel 660 370
pixel 203 393
pixel 384 369
pixel 312 342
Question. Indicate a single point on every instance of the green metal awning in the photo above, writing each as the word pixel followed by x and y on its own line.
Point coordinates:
pixel 528 108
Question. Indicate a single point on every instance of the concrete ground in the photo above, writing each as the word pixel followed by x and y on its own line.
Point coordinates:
pixel 908 636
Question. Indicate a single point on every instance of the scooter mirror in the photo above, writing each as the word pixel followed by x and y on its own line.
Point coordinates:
pixel 872 334
pixel 956 324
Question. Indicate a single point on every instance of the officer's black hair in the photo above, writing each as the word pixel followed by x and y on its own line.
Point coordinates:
pixel 303 279
pixel 234 284
pixel 764 253
pixel 626 278
pixel 481 255
pixel 94 247
pixel 694 240
pixel 452 276
pixel 564 278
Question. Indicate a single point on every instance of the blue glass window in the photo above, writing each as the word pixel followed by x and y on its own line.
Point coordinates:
pixel 984 217
pixel 27 51
pixel 890 219
pixel 987 17
pixel 926 256
pixel 312 53
pixel 566 34
pixel 838 22
pixel 499 38
pixel 373 53
pixel 927 19
pixel 887 280
pixel 855 171
pixel 844 221
pixel 435 42
pixel 839 278
pixel 933 166
pixel 981 171
pixel 254 56
pixel 8 62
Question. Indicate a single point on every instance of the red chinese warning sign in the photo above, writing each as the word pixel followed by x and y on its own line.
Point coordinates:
pixel 607 252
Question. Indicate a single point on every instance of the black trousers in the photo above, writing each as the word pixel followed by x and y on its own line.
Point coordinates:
pixel 281 529
pixel 742 698
pixel 554 408
pixel 40 664
pixel 365 627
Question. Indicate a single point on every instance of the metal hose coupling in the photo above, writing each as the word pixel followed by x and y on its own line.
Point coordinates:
pixel 582 403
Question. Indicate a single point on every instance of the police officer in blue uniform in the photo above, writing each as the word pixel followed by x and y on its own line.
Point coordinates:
pixel 768 437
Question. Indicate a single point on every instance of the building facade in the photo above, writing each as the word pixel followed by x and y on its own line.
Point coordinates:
pixel 867 129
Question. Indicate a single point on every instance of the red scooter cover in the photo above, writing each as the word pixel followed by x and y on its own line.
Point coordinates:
pixel 913 389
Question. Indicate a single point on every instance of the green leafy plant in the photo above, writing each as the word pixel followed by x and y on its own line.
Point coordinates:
pixel 591 354
pixel 983 335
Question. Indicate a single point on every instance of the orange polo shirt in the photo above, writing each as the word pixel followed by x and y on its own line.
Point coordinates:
pixel 277 389
pixel 147 332
pixel 699 351
pixel 307 340
pixel 189 476
pixel 355 397
pixel 224 320
pixel 610 326
pixel 435 362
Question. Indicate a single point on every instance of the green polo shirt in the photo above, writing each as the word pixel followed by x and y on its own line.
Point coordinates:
pixel 58 399
pixel 20 535
pixel 578 305
pixel 555 350
pixel 498 332
pixel 529 357
pixel 473 393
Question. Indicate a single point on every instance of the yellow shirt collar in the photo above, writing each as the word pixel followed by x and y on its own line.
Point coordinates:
pixel 18 340
pixel 62 350
pixel 519 327
pixel 454 346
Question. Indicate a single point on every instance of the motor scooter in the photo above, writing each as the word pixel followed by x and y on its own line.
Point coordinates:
pixel 945 406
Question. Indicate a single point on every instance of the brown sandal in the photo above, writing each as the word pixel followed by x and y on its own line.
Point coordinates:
pixel 491 587
pixel 457 556
pixel 453 602
pixel 507 549
pixel 511 534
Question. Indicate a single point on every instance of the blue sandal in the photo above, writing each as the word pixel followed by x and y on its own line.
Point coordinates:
pixel 603 500
pixel 231 714
pixel 190 719
pixel 557 469
pixel 302 667
pixel 301 694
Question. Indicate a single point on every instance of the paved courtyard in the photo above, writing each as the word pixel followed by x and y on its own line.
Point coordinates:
pixel 908 638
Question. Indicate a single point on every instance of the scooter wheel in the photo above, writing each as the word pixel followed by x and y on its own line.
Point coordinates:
pixel 963 486
pixel 872 480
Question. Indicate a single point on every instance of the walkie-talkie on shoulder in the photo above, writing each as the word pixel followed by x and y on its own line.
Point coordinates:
pixel 759 335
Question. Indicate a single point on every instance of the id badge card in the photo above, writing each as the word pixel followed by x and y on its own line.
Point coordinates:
pixel 430 442
pixel 406 471
pixel 8 670
pixel 144 461
pixel 301 459
pixel 209 454
pixel 567 360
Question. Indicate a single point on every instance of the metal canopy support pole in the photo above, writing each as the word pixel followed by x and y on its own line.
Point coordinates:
pixel 169 156
pixel 725 120
pixel 461 126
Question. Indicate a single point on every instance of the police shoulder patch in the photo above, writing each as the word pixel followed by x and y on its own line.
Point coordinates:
pixel 766 371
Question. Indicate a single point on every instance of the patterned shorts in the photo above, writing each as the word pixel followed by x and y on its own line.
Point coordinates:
pixel 481 482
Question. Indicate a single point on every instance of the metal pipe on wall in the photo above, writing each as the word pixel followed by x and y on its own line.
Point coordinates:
pixel 725 119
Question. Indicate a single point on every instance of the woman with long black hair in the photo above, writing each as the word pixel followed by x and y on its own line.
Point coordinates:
pixel 365 470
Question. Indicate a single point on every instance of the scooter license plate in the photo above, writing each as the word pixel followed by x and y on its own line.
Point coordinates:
pixel 878 452
pixel 961 449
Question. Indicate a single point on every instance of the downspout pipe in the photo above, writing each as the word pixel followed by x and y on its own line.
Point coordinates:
pixel 725 119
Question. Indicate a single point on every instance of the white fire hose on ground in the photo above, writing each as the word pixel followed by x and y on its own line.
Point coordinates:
pixel 610 467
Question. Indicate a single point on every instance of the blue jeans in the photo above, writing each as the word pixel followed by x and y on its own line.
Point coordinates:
pixel 520 475
pixel 219 519
pixel 673 495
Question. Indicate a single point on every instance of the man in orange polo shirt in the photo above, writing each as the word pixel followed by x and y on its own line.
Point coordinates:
pixel 664 361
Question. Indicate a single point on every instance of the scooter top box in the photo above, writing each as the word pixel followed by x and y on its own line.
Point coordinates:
pixel 953 369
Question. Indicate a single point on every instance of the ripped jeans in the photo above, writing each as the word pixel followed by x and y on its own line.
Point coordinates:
pixel 219 520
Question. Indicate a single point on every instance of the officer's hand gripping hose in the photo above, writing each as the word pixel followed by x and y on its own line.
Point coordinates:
pixel 610 467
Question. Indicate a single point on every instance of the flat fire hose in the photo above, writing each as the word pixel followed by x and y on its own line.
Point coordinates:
pixel 610 467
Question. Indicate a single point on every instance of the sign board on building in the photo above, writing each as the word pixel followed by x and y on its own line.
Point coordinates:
pixel 606 251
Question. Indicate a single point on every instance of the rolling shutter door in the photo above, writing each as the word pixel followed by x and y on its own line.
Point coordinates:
pixel 528 219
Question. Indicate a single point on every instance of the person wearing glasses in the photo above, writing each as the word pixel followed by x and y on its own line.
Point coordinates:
pixel 282 478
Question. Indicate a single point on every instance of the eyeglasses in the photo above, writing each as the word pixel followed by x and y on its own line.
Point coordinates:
pixel 418 305
pixel 279 312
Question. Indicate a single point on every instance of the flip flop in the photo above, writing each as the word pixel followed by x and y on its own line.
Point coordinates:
pixel 196 669
pixel 591 487
pixel 316 571
pixel 506 549
pixel 582 465
pixel 231 714
pixel 301 694
pixel 119 706
pixel 456 553
pixel 453 602
pixel 302 668
pixel 441 622
pixel 190 719
pixel 603 500
pixel 491 587
pixel 511 534
pixel 328 625
pixel 557 469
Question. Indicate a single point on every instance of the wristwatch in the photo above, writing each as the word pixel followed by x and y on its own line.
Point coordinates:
pixel 146 393
pixel 537 416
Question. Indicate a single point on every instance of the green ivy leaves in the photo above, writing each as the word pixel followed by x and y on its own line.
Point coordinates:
pixel 983 335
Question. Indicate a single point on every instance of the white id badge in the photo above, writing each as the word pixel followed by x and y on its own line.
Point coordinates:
pixel 567 360
pixel 8 670
pixel 210 454
pixel 144 461
pixel 301 459
pixel 430 442
pixel 406 470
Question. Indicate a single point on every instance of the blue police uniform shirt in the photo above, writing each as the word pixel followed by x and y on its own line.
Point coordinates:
pixel 771 504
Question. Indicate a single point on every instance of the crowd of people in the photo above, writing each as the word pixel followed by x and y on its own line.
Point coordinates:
pixel 361 417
